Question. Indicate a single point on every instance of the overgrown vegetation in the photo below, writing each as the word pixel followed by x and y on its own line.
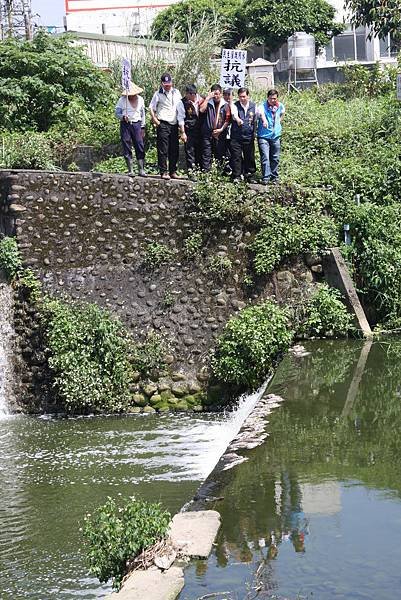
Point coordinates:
pixel 118 532
pixel 10 258
pixel 150 355
pixel 219 266
pixel 89 355
pixel 325 315
pixel 250 343
pixel 157 254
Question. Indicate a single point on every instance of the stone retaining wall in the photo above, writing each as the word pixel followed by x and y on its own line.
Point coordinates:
pixel 87 236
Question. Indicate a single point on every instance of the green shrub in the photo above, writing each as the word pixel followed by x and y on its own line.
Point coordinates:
pixel 41 78
pixel 10 258
pixel 157 254
pixel 116 533
pixel 325 315
pixel 89 356
pixel 219 265
pixel 376 255
pixel 287 232
pixel 27 150
pixel 218 199
pixel 116 164
pixel 250 343
pixel 150 355
pixel 193 245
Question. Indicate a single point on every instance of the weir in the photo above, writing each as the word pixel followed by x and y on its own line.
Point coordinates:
pixel 6 340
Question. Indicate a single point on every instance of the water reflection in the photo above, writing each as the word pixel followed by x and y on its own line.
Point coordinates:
pixel 316 511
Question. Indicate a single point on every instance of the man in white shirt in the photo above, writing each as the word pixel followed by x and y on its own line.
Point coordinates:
pixel 163 109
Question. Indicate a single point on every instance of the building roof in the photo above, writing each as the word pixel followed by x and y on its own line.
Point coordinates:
pixel 261 62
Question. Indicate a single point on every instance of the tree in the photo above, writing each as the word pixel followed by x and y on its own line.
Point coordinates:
pixel 40 80
pixel 268 23
pixel 178 19
pixel 383 16
pixel 271 23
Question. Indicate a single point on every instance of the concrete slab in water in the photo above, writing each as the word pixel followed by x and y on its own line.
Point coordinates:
pixel 194 532
pixel 152 584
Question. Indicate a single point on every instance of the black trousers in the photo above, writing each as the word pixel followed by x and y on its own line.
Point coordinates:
pixel 242 157
pixel 193 149
pixel 213 148
pixel 167 147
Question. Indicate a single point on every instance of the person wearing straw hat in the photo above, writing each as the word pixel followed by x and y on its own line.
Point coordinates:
pixel 130 110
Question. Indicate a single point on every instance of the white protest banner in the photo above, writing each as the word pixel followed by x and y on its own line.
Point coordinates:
pixel 398 86
pixel 126 74
pixel 233 68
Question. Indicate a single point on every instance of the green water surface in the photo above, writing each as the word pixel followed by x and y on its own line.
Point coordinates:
pixel 316 510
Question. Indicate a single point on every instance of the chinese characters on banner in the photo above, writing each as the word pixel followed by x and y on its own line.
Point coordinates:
pixel 126 74
pixel 233 63
pixel 398 86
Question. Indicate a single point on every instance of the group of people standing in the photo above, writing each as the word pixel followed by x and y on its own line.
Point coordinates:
pixel 210 127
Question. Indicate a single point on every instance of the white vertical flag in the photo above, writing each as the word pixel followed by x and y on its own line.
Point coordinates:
pixel 126 74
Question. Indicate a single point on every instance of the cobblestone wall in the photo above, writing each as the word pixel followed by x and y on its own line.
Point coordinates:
pixel 86 235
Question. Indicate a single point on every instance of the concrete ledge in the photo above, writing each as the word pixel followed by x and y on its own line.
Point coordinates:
pixel 152 584
pixel 193 533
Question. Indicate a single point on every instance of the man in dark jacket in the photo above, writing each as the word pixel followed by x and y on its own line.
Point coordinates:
pixel 216 120
pixel 243 136
pixel 189 122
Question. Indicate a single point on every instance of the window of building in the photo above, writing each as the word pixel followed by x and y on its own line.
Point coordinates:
pixel 350 45
pixel 388 47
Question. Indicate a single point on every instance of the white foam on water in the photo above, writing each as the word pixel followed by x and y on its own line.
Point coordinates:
pixel 6 336
pixel 221 433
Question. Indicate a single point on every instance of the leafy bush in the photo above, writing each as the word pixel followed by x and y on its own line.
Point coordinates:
pixel 27 150
pixel 115 534
pixel 150 355
pixel 10 258
pixel 325 314
pixel 376 254
pixel 361 81
pixel 42 77
pixel 193 245
pixel 157 254
pixel 116 164
pixel 288 232
pixel 89 355
pixel 250 343
pixel 219 265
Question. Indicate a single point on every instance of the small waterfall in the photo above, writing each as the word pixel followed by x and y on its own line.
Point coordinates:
pixel 6 336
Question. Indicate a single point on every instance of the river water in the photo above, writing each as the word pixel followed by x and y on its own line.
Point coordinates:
pixel 54 471
pixel 315 513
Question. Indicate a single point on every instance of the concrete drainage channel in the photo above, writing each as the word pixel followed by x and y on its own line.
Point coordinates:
pixel 193 531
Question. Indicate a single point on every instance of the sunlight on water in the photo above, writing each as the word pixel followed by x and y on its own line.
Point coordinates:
pixel 55 470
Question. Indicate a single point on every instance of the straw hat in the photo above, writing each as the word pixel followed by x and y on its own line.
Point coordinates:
pixel 132 91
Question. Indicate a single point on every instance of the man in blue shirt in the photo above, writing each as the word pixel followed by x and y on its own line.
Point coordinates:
pixel 270 115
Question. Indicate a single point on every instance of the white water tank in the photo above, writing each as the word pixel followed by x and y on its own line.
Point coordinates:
pixel 301 52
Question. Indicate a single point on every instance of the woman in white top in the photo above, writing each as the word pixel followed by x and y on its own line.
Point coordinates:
pixel 130 110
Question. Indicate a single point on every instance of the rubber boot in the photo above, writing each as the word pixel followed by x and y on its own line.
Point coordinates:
pixel 129 167
pixel 141 167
